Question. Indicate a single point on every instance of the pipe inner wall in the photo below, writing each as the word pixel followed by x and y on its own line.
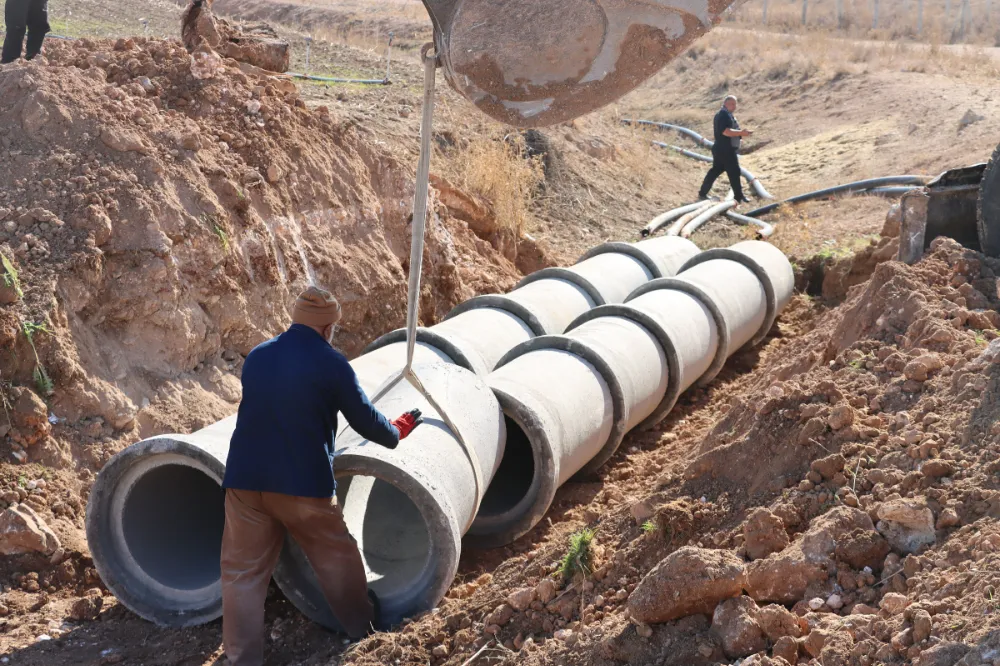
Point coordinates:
pixel 154 525
pixel 409 506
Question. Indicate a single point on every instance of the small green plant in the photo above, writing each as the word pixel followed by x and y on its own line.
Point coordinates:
pixel 43 382
pixel 859 363
pixel 10 278
pixel 980 338
pixel 579 557
pixel 222 236
pixel 22 481
pixel 649 527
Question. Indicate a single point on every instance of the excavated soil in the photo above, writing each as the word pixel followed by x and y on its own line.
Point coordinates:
pixel 840 476
pixel 888 399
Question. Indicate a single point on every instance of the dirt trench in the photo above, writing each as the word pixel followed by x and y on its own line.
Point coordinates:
pixel 161 226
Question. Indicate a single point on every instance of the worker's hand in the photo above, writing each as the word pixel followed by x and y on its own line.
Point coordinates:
pixel 747 132
pixel 407 422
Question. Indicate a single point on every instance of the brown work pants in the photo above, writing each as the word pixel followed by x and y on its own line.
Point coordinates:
pixel 255 531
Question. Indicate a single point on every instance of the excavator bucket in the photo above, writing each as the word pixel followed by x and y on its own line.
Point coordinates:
pixel 531 63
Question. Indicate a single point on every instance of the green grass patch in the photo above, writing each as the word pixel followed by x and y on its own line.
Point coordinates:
pixel 43 382
pixel 579 557
pixel 649 527
pixel 10 277
pixel 223 237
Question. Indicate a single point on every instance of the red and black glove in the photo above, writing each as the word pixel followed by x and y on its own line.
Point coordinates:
pixel 407 422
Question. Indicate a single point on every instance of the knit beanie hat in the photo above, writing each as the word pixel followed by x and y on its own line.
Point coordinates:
pixel 316 307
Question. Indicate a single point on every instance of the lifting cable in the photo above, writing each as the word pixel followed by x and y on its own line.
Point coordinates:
pixel 420 193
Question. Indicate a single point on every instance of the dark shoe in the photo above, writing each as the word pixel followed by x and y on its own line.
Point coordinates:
pixel 378 623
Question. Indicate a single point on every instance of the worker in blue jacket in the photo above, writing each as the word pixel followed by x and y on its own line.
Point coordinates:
pixel 279 475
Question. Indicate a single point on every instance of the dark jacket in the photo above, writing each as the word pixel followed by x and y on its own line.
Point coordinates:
pixel 293 387
pixel 725 145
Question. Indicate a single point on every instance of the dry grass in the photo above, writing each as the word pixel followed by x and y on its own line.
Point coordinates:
pixel 495 167
pixel 640 158
pixel 729 55
pixel 897 19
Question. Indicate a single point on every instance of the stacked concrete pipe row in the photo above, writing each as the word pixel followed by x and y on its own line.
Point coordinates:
pixel 156 511
pixel 567 401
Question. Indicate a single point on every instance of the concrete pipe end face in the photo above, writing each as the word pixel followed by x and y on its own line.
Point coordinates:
pixel 154 527
pixel 445 346
pixel 525 484
pixel 669 252
pixel 777 265
pixel 408 507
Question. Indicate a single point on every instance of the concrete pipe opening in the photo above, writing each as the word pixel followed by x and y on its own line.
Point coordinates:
pixel 408 507
pixel 514 490
pixel 172 523
pixel 154 525
pixel 525 483
pixel 394 537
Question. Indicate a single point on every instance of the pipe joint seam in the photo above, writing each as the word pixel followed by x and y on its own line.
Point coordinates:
pixel 499 302
pixel 722 328
pixel 586 353
pixel 771 299
pixel 619 247
pixel 544 482
pixel 673 391
pixel 434 339
pixel 566 275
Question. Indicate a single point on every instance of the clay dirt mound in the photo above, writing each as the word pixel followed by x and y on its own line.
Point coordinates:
pixel 155 228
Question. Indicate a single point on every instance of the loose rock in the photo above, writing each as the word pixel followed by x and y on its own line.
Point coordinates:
pixel 519 600
pixel 23 531
pixel 689 581
pixel 908 525
pixel 764 533
pixel 735 624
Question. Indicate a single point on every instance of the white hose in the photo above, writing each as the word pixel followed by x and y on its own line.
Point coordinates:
pixel 675 228
pixel 706 215
pixel 671 215
pixel 763 228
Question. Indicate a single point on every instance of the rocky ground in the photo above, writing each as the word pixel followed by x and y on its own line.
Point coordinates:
pixel 829 500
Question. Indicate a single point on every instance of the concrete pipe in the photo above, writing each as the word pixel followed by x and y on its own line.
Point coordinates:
pixel 570 399
pixel 474 340
pixel 686 325
pixel 605 274
pixel 154 525
pixel 562 405
pixel 409 507
pixel 477 333
pixel 742 288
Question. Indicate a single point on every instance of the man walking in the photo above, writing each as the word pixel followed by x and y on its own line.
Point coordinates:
pixel 21 16
pixel 279 476
pixel 724 153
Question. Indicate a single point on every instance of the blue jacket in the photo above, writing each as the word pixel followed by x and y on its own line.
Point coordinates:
pixel 293 387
